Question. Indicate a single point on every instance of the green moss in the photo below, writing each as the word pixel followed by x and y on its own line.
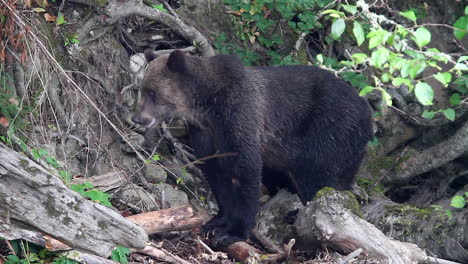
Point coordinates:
pixel 24 164
pixel 407 211
pixel 102 225
pixel 346 199
pixel 66 220
pixel 50 207
pixel 369 186
pixel 379 163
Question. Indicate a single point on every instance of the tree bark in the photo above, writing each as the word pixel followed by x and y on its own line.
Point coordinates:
pixel 432 158
pixel 33 199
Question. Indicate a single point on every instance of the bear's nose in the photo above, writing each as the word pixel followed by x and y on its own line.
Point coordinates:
pixel 136 119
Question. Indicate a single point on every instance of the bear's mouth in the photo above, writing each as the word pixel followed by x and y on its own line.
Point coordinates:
pixel 152 123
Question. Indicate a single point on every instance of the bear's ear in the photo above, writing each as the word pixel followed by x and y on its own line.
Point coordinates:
pixel 150 55
pixel 177 61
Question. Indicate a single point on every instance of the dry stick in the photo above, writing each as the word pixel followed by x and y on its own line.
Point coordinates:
pixel 162 254
pixel 288 247
pixel 205 246
pixel 269 245
pixel 351 256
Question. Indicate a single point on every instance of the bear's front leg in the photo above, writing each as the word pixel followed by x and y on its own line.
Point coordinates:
pixel 237 189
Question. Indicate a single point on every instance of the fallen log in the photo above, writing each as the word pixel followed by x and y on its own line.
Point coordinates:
pixel 329 219
pixel 428 228
pixel 33 199
pixel 172 219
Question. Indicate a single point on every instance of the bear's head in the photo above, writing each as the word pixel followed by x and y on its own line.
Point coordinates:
pixel 165 89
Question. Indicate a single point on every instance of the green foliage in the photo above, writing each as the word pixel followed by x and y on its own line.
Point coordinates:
pixel 71 39
pixel 159 7
pixel 459 201
pixel 87 190
pixel 120 254
pixel 60 19
pixel 27 253
pixel 396 55
pixel 462 25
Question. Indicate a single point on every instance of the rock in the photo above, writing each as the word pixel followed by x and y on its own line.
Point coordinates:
pixel 137 61
pixel 137 141
pixel 155 174
pixel 136 195
pixel 170 197
pixel 276 218
pixel 177 168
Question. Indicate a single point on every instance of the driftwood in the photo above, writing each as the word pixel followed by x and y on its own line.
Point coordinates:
pixel 33 199
pixel 173 219
pixel 329 220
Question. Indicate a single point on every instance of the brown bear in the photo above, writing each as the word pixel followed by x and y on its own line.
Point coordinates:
pixel 299 121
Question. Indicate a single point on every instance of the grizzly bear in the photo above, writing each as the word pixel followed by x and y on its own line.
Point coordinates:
pixel 299 121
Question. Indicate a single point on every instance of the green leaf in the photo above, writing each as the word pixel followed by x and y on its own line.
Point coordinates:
pixel 88 185
pixel 350 9
pixel 461 67
pixel 400 81
pixel 429 114
pixel 424 93
pixel 42 152
pixel 462 58
pixel 449 113
pixel 421 37
pixel 379 57
pixel 455 99
pixel 156 157
pixel 462 24
pixel 60 19
pixel 358 32
pixel 409 15
pixel 99 196
pixel 444 77
pixel 458 201
pixel 386 97
pixel 332 11
pixel 35 154
pixel 366 90
pixel 377 37
pixel 386 77
pixel 120 254
pixel 338 27
pixel 159 7
pixel 12 259
pixel 449 213
pixel 65 176
pixel 52 161
pixel 359 58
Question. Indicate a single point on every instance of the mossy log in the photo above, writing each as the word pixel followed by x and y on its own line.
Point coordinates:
pixel 33 199
pixel 443 236
pixel 332 219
